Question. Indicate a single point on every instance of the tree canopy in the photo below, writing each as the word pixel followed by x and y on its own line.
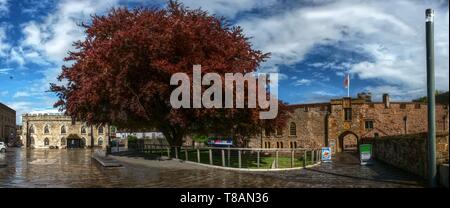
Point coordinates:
pixel 120 73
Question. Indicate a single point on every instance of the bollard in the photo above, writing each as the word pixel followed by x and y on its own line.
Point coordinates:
pixel 276 159
pixel 176 152
pixel 198 155
pixel 239 158
pixel 257 158
pixel 292 158
pixel 168 152
pixel 304 159
pixel 229 157
pixel 319 155
pixel 210 157
pixel 186 154
pixel 223 158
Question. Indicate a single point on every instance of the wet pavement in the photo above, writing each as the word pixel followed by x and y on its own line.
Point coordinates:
pixel 345 171
pixel 75 168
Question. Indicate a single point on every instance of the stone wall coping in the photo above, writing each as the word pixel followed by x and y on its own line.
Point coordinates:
pixel 43 114
pixel 420 136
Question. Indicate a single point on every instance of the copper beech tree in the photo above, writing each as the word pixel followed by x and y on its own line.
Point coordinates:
pixel 120 74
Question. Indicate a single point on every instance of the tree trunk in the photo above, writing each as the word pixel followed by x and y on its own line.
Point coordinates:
pixel 174 134
pixel 92 136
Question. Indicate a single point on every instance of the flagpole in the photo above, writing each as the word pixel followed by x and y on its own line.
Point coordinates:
pixel 348 85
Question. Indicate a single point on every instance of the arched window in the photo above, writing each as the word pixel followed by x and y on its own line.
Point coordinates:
pixel 279 131
pixel 292 129
pixel 293 144
pixel 31 130
pixel 444 121
pixel 100 141
pixel 63 141
pixel 46 129
pixel 83 130
pixel 267 132
pixel 46 141
pixel 63 130
pixel 100 130
pixel 279 144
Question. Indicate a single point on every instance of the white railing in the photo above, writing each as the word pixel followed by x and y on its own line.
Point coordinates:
pixel 231 157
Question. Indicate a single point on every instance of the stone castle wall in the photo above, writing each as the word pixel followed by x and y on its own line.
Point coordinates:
pixel 409 152
pixel 324 124
pixel 304 128
pixel 395 119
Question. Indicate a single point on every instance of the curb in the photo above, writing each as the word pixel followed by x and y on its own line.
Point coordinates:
pixel 248 169
pixel 106 162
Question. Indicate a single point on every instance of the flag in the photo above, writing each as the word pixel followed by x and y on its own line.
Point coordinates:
pixel 347 80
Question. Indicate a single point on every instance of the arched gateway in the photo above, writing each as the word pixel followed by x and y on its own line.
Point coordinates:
pixel 348 141
pixel 75 141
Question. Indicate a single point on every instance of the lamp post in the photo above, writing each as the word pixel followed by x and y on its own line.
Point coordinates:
pixel 429 23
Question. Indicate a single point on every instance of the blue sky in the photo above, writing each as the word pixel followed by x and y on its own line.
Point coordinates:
pixel 313 44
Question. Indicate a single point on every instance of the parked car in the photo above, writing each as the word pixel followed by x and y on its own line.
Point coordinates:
pixel 2 147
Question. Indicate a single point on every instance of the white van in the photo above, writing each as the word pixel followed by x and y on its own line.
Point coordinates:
pixel 2 147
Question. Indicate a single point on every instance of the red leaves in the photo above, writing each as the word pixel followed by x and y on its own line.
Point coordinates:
pixel 122 69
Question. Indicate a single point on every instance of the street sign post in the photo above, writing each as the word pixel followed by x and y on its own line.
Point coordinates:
pixel 365 154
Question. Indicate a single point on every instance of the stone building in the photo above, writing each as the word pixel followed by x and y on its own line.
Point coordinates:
pixel 7 123
pixel 341 123
pixel 61 131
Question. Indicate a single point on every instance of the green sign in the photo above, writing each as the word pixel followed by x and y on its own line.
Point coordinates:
pixel 365 153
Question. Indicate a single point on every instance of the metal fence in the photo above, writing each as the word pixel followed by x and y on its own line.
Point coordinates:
pixel 251 158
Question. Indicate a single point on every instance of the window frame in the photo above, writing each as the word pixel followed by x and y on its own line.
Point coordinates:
pixel 369 124
pixel 292 128
pixel 348 114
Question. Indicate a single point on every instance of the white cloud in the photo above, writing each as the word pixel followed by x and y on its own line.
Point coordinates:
pixel 20 108
pixel 4 7
pixel 16 56
pixel 5 70
pixel 392 34
pixel 393 37
pixel 53 37
pixel 395 92
pixel 324 93
pixel 228 8
pixel 46 42
pixel 44 111
pixel 4 45
pixel 21 94
pixel 303 82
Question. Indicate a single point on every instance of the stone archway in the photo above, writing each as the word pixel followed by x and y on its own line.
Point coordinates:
pixel 74 141
pixel 348 141
pixel 63 142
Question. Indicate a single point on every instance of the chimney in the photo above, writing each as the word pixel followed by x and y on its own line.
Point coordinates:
pixel 366 96
pixel 386 100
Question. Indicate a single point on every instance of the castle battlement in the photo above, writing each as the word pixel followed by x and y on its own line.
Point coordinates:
pixel 42 114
